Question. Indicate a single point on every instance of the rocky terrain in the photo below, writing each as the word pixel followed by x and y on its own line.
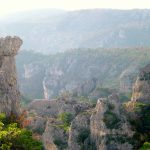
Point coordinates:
pixel 9 93
pixel 141 89
pixel 92 73
pixel 71 122
pixel 66 123
pixel 58 30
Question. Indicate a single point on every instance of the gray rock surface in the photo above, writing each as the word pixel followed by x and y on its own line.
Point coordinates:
pixel 141 88
pixel 109 126
pixel 9 93
pixel 106 125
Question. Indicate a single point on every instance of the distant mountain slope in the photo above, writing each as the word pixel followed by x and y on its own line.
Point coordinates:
pixel 80 71
pixel 56 30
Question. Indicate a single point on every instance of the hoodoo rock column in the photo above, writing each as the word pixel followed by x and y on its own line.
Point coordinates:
pixel 9 93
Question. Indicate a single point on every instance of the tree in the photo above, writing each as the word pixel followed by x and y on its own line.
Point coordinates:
pixel 12 137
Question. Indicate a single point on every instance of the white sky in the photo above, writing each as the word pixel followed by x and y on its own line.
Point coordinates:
pixel 9 6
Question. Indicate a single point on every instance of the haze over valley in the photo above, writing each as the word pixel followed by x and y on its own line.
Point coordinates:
pixel 76 79
pixel 58 30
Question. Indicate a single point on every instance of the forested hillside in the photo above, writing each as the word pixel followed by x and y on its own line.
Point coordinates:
pixel 82 72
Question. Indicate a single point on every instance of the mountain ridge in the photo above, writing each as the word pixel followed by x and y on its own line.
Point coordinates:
pixel 59 31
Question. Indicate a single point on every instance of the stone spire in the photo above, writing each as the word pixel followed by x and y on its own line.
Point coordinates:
pixel 141 89
pixel 9 93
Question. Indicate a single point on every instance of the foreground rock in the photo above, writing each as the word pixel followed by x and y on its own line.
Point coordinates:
pixel 44 120
pixel 9 93
pixel 109 126
pixel 100 128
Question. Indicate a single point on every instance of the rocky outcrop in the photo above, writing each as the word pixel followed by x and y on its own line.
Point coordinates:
pixel 109 126
pixel 9 93
pixel 51 108
pixel 44 120
pixel 54 137
pixel 141 89
pixel 80 124
pixel 127 78
pixel 104 127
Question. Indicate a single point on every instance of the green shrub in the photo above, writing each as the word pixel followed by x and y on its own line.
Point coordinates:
pixel 111 120
pixel 83 134
pixel 66 118
pixel 141 124
pixel 60 143
pixel 38 130
pixel 145 76
pixel 111 106
pixel 14 138
pixel 2 117
pixel 146 146
pixel 139 106
pixel 117 139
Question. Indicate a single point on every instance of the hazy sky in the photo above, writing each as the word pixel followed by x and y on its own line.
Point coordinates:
pixel 8 6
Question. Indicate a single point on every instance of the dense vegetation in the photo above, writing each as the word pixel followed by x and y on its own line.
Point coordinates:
pixel 83 135
pixel 60 143
pixel 141 125
pixel 12 137
pixel 111 120
pixel 66 118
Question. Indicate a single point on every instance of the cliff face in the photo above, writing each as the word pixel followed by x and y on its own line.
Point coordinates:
pixel 141 89
pixel 9 93
pixel 81 72
pixel 109 126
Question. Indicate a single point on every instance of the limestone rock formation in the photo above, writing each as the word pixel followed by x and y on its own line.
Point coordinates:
pixel 43 115
pixel 141 89
pixel 9 93
pixel 80 123
pixel 104 127
pixel 109 126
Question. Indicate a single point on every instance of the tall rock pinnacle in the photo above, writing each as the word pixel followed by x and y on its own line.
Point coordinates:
pixel 141 89
pixel 9 93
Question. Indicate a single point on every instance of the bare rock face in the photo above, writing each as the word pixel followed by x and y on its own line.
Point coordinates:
pixel 9 93
pixel 51 108
pixel 109 126
pixel 54 137
pixel 141 89
pixel 80 123
pixel 43 115
pixel 127 78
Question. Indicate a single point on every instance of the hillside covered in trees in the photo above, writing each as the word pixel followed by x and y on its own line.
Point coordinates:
pixel 83 72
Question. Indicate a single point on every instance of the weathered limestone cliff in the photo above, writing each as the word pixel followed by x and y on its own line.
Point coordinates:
pixel 9 93
pixel 110 129
pixel 141 89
